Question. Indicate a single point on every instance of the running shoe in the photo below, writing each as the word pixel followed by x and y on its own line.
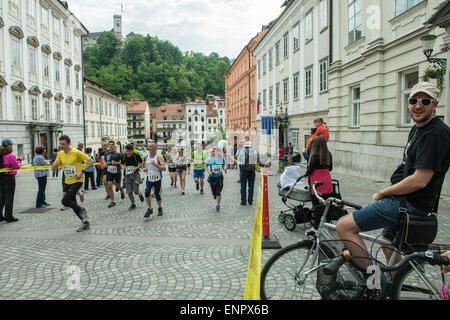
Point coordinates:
pixel 171 184
pixel 217 208
pixel 201 191
pixel 133 206
pixel 182 193
pixel 122 195
pixel 197 186
pixel 160 213
pixel 83 215
pixel 148 213
pixel 112 204
pixel 141 197
pixel 82 198
pixel 11 220
pixel 107 197
pixel 85 227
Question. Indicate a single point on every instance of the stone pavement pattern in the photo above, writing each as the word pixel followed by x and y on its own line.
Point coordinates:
pixel 191 252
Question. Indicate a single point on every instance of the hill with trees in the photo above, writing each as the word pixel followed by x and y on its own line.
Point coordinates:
pixel 146 68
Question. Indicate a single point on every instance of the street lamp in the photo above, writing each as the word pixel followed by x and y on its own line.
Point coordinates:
pixel 428 45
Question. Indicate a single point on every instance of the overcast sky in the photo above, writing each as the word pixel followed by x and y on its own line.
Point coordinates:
pixel 222 26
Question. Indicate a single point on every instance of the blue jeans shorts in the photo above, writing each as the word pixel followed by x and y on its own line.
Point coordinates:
pixel 199 174
pixel 383 214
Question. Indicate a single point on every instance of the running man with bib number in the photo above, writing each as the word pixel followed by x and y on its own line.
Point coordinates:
pixel 215 165
pixel 153 166
pixel 198 156
pixel 113 161
pixel 71 160
pixel 131 163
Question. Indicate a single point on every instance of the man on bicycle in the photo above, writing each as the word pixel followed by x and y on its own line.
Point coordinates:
pixel 428 154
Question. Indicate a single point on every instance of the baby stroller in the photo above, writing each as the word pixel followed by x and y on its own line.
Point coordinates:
pixel 293 186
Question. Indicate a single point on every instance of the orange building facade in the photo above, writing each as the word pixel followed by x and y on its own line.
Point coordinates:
pixel 240 90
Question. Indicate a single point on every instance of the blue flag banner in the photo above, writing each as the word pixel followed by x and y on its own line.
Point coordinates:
pixel 267 125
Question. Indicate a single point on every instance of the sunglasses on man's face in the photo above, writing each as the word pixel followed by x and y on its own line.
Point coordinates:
pixel 424 102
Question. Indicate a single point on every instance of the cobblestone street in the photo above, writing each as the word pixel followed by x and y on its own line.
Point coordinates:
pixel 191 252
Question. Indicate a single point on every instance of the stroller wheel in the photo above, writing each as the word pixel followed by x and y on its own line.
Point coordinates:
pixel 281 217
pixel 289 222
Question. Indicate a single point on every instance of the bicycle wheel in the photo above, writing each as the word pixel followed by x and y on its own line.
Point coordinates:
pixel 282 277
pixel 425 283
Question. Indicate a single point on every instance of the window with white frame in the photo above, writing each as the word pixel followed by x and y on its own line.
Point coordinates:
pixel 296 86
pixel 32 60
pixel 96 105
pixel 354 20
pixel 356 107
pixel 16 53
pixel 323 75
pixel 91 104
pixel 79 117
pixel 286 45
pixel 67 76
pixel 77 81
pixel 295 34
pixel 271 96
pixel 34 108
pixel 277 53
pixel 68 112
pixel 57 72
pixel 308 81
pixel 44 16
pixel 270 58
pixel 264 63
pixel 264 98
pixel 404 5
pixel 47 110
pixel 31 8
pixel 259 69
pixel 323 14
pixel 56 25
pixel 294 140
pixel 45 66
pixel 66 34
pixel 409 79
pixel 286 90
pixel 18 106
pixel 308 27
pixel 277 94
pixel 58 111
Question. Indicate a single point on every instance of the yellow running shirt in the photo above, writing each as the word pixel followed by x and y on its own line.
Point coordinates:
pixel 71 163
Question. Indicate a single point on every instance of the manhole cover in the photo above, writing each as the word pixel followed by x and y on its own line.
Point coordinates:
pixel 37 210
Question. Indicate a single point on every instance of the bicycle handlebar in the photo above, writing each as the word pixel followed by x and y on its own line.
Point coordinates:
pixel 432 258
pixel 336 200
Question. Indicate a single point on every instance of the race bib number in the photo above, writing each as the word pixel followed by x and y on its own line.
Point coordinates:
pixel 172 165
pixel 198 162
pixel 216 169
pixel 112 169
pixel 69 171
pixel 129 170
pixel 181 164
pixel 153 176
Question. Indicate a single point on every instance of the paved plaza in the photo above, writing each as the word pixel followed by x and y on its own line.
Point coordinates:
pixel 191 252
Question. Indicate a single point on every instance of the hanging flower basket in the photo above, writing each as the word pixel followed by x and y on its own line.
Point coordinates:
pixel 437 73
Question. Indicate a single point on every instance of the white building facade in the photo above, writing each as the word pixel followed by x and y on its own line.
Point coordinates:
pixel 292 63
pixel 196 121
pixel 41 84
pixel 105 116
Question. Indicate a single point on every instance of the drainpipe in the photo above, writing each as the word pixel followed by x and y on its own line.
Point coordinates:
pixel 82 90
pixel 249 89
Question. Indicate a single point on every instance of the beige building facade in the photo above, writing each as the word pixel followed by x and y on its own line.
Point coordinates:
pixel 377 57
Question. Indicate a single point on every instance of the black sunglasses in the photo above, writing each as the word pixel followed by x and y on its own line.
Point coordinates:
pixel 424 102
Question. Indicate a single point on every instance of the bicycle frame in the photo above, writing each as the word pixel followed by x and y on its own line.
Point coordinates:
pixel 322 232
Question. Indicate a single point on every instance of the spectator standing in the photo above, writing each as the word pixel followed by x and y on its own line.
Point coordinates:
pixel 41 176
pixel 8 180
pixel 90 173
pixel 53 158
pixel 321 130
pixel 247 160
